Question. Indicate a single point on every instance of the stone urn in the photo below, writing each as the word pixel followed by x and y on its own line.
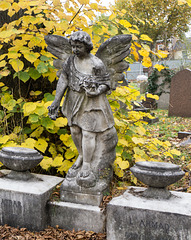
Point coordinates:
pixel 20 160
pixel 157 175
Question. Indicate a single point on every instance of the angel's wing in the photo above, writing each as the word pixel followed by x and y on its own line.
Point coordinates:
pixel 112 52
pixel 60 47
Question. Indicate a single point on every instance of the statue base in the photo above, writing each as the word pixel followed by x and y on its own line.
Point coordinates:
pixel 71 216
pixel 71 192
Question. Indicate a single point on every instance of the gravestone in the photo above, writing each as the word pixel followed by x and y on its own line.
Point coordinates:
pixel 153 213
pixel 180 94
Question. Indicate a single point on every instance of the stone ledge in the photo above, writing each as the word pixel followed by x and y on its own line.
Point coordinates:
pixel 71 216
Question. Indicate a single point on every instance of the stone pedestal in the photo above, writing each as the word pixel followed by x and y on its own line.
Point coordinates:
pixel 131 217
pixel 75 216
pixel 23 203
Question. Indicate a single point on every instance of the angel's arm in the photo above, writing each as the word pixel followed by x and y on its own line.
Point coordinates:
pixel 60 90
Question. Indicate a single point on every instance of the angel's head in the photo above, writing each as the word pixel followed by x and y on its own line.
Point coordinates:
pixel 82 41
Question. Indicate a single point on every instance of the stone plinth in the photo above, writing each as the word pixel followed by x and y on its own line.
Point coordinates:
pixel 23 203
pixel 76 216
pixel 131 217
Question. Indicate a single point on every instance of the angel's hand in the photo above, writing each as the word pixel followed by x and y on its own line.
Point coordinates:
pixel 53 110
pixel 97 91
pixel 92 93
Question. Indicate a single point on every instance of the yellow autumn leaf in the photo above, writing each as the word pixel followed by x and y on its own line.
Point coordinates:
pixel 141 130
pixel 31 57
pixel 41 145
pixel 144 52
pixel 16 64
pixel 118 171
pixel 125 23
pixel 17 129
pixel 138 140
pixel 4 5
pixel 29 143
pixel 28 108
pixel 159 67
pixel 139 158
pixel 13 54
pixel 167 154
pixel 3 63
pixel 37 132
pixel 181 2
pixel 4 139
pixel 123 141
pixel 52 150
pixel 162 54
pixel 66 165
pixel 58 161
pixel 122 164
pixel 149 95
pixel 69 154
pixel 46 163
pixel 145 38
pixel 83 1
pixel 175 152
pixel 61 122
pixel 146 47
pixel 4 73
pixel 16 7
pixel 147 61
pixel 10 32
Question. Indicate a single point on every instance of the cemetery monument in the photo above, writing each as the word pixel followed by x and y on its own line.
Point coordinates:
pixel 87 79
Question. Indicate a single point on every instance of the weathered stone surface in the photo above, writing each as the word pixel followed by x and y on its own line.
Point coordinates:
pixel 182 135
pixel 180 96
pixel 101 165
pixel 164 92
pixel 143 87
pixel 76 216
pixel 20 160
pixel 23 203
pixel 130 217
pixel 157 175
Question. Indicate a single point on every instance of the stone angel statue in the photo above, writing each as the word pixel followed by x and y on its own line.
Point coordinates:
pixel 87 79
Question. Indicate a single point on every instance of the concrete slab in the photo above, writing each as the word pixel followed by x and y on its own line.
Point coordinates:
pixel 136 218
pixel 75 216
pixel 23 203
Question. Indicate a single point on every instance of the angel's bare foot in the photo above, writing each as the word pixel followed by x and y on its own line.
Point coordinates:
pixel 85 170
pixel 72 172
pixel 78 162
pixel 86 177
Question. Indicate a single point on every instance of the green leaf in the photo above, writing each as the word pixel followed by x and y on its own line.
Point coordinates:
pixel 33 118
pixel 48 97
pixel 24 76
pixel 44 58
pixel 42 67
pixel 47 122
pixel 34 74
pixel 27 130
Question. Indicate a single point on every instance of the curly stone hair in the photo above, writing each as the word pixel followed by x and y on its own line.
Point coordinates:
pixel 82 37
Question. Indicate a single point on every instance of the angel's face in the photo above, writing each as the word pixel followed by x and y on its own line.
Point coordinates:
pixel 79 49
